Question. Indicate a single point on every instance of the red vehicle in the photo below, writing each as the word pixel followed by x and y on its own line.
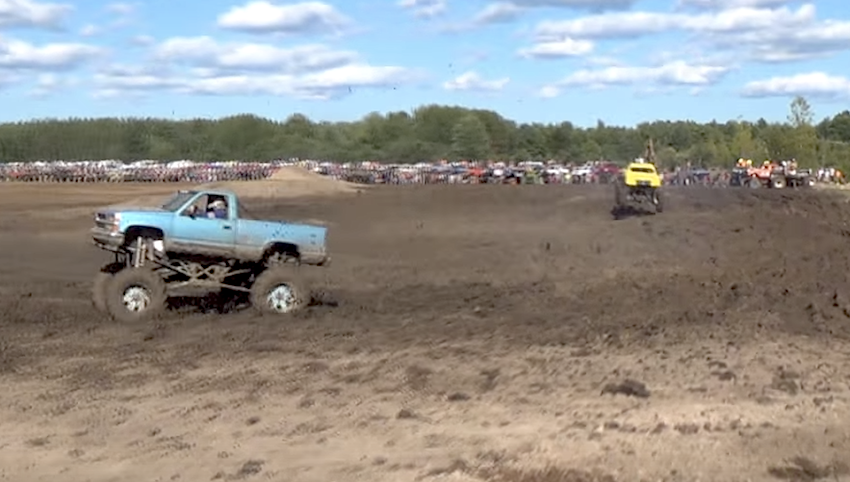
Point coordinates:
pixel 606 173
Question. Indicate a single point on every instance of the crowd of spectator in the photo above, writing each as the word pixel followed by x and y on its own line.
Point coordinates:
pixel 143 171
pixel 362 173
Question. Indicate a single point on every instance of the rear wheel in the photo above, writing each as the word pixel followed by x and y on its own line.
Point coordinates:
pixel 777 183
pixel 136 294
pixel 279 291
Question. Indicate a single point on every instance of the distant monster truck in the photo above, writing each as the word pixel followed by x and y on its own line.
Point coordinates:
pixel 639 185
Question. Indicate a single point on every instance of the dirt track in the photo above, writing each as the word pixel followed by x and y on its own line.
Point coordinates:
pixel 465 333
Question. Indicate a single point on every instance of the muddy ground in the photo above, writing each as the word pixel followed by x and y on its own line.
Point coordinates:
pixel 463 333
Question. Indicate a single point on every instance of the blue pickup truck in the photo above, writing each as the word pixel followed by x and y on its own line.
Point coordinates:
pixel 202 239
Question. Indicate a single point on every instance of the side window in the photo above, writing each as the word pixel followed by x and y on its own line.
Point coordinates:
pixel 198 207
pixel 217 207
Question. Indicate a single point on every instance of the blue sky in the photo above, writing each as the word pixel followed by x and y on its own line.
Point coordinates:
pixel 621 61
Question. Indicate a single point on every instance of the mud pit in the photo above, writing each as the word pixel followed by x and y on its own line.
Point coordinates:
pixel 467 333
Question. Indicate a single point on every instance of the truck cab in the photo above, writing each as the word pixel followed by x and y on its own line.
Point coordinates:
pixel 208 223
pixel 642 174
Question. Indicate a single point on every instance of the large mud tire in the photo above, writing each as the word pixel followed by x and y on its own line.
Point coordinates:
pixel 777 183
pixel 619 194
pixel 279 291
pixel 136 294
pixel 100 284
pixel 659 201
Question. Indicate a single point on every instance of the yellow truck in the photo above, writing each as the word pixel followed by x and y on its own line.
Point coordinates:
pixel 639 184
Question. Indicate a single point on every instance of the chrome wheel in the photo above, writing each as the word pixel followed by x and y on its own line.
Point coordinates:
pixel 281 299
pixel 136 299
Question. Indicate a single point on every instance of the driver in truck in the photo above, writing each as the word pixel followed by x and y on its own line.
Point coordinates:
pixel 217 209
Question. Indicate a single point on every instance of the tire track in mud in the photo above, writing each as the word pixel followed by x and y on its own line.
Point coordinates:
pixel 718 258
pixel 450 301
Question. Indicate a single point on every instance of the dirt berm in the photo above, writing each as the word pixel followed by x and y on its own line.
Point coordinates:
pixel 287 182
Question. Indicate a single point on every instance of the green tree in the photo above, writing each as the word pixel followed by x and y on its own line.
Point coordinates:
pixel 428 133
pixel 470 140
pixel 744 144
pixel 803 143
pixel 801 112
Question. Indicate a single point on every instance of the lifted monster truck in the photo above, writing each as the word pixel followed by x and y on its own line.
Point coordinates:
pixel 767 176
pixel 197 240
pixel 639 184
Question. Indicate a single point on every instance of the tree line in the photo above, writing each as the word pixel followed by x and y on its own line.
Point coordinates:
pixel 429 133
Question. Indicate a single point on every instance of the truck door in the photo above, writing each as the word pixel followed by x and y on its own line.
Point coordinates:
pixel 199 229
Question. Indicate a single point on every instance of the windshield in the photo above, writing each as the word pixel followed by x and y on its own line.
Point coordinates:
pixel 177 200
pixel 647 170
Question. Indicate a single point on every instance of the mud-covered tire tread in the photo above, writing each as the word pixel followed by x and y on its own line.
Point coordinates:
pixel 130 277
pixel 274 276
pixel 101 282
pixel 619 194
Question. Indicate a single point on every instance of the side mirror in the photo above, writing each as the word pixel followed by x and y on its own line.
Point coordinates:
pixel 192 211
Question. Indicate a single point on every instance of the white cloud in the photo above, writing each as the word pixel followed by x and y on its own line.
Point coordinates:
pixel 637 24
pixel 762 34
pixel 265 17
pixel 498 13
pixel 142 40
pixel 424 8
pixel 122 9
pixel 28 13
pixel 508 11
pixel 549 92
pixel 89 31
pixel 125 13
pixel 579 4
pixel 814 84
pixel 204 66
pixel 816 39
pixel 206 52
pixel 20 55
pixel 671 74
pixel 323 85
pixel 473 82
pixel 726 4
pixel 50 84
pixel 7 79
pixel 604 61
pixel 559 49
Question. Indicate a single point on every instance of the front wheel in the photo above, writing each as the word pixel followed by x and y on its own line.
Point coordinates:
pixel 279 291
pixel 659 202
pixel 101 283
pixel 136 294
pixel 619 194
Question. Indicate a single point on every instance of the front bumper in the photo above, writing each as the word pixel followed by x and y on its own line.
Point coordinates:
pixel 106 239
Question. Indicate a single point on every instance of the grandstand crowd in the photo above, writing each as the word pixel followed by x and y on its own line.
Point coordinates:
pixel 362 173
